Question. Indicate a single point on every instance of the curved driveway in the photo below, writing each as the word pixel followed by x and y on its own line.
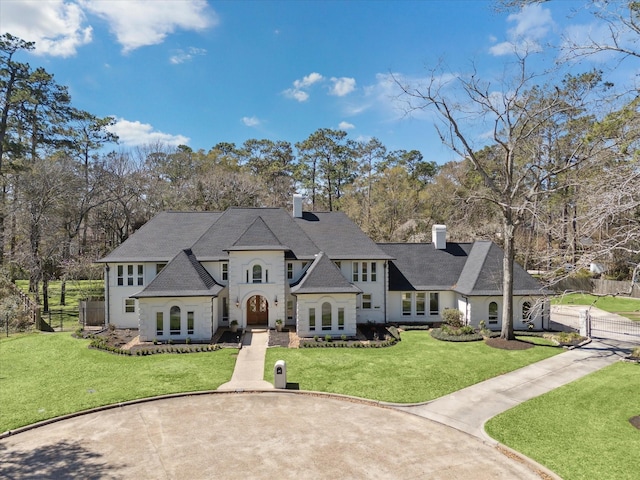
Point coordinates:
pixel 252 435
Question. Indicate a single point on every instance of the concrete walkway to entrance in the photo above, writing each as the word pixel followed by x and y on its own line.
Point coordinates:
pixel 470 408
pixel 248 373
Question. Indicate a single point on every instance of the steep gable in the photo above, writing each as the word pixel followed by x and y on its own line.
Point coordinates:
pixel 230 227
pixel 323 277
pixel 257 236
pixel 183 276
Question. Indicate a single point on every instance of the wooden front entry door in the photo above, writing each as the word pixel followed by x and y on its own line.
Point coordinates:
pixel 257 310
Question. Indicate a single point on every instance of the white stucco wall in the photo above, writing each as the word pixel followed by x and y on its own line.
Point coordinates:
pixel 374 288
pixel 117 294
pixel 479 310
pixel 307 301
pixel 204 322
pixel 240 291
pixel 445 300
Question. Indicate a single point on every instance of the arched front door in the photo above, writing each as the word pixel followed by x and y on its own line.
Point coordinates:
pixel 257 310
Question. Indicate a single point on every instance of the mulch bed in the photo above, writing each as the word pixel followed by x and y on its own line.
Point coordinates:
pixel 635 421
pixel 229 338
pixel 279 339
pixel 372 332
pixel 508 344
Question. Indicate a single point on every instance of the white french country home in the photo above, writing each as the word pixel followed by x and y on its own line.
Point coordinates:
pixel 186 274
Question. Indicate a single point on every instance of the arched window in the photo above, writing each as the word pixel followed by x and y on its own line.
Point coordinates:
pixel 326 316
pixel 174 320
pixel 493 313
pixel 257 274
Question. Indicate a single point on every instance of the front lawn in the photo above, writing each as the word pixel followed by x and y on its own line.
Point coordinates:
pixel 47 375
pixel 581 430
pixel 416 369
pixel 625 306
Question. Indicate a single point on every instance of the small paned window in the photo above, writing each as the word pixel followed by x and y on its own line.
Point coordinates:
pixel 174 320
pixel 406 303
pixel 159 267
pixel 190 322
pixel 312 319
pixel 366 301
pixel 326 316
pixel 140 275
pixel 129 275
pixel 341 318
pixel 129 305
pixel 420 303
pixel 120 275
pixel 159 323
pixel 355 272
pixel 373 272
pixel 289 270
pixel 364 271
pixel 434 303
pixel 224 271
pixel 493 313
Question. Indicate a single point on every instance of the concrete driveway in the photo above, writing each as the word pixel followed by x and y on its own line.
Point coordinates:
pixel 253 435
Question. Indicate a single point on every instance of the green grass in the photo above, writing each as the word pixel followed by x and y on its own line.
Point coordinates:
pixel 417 369
pixel 581 430
pixel 75 291
pixel 47 375
pixel 625 306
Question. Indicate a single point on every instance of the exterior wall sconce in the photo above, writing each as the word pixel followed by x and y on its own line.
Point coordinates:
pixel 237 302
pixel 275 301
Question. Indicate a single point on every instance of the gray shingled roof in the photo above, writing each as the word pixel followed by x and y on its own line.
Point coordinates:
pixel 323 277
pixel 469 269
pixel 482 275
pixel 258 236
pixel 338 237
pixel 163 236
pixel 183 276
pixel 234 222
pixel 421 266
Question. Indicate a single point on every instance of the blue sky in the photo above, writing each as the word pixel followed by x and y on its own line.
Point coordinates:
pixel 200 73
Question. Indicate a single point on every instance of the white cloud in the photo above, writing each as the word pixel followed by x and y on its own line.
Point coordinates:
pixel 251 121
pixel 134 134
pixel 346 126
pixel 56 27
pixel 182 56
pixel 138 23
pixel 297 92
pixel 532 24
pixel 343 86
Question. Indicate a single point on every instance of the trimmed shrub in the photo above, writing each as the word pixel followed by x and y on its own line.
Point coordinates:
pixel 441 334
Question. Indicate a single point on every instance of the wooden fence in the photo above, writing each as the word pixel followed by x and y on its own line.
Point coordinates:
pixel 599 287
pixel 31 308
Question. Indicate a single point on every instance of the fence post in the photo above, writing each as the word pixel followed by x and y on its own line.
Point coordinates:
pixel 585 323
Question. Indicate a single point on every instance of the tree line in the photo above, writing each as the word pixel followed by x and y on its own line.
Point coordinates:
pixel 555 182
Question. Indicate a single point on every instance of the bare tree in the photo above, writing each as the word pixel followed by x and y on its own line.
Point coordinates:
pixel 519 165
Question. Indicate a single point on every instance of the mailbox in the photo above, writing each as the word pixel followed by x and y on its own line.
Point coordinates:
pixel 280 374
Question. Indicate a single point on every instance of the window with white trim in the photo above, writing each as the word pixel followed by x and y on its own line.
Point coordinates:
pixel 159 323
pixel 312 319
pixel 421 300
pixel 120 275
pixel 493 313
pixel 159 267
pixel 134 276
pixel 355 269
pixel 174 320
pixel 406 303
pixel 366 301
pixel 364 272
pixel 190 323
pixel 434 303
pixel 225 309
pixel 289 270
pixel 224 271
pixel 326 316
pixel 341 318
pixel 129 305
pixel 373 272
pixel 257 274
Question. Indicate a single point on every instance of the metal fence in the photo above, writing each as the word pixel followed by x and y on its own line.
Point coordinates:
pixel 599 324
